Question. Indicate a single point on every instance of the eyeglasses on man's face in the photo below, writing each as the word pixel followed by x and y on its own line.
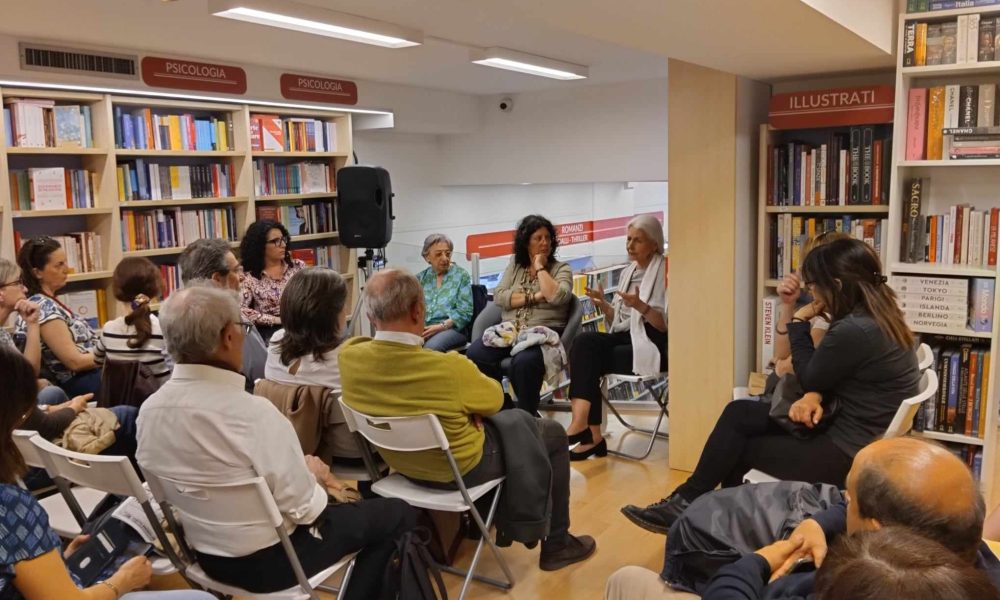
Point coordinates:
pixel 244 326
pixel 279 242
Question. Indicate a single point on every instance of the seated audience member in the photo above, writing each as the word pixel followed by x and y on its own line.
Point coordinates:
pixel 866 364
pixel 67 339
pixel 267 267
pixel 314 312
pixel 213 261
pixel 447 385
pixel 202 427
pixel 897 482
pixel 535 289
pixel 447 293
pixel 31 556
pixel 637 324
pixel 136 336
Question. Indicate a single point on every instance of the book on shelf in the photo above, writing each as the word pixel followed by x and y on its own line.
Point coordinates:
pixel 952 122
pixel 321 256
pixel 271 133
pixel 768 319
pixel 962 365
pixel 175 227
pixel 84 253
pixel 790 234
pixel 142 180
pixel 302 219
pixel 51 188
pixel 143 129
pixel 171 275
pixel 981 302
pixel 962 236
pixel 913 6
pixel 946 302
pixel 579 285
pixel 87 304
pixel 38 123
pixel 296 178
pixel 966 39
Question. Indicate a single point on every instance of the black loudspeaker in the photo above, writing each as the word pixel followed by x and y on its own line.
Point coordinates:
pixel 364 207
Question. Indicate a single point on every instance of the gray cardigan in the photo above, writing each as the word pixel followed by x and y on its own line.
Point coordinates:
pixel 549 314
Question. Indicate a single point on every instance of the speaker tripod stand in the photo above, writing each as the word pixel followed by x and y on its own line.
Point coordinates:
pixel 367 264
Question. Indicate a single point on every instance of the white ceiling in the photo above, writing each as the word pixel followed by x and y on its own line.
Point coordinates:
pixel 624 40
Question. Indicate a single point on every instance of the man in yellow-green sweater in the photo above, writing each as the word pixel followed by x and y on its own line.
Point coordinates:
pixel 392 375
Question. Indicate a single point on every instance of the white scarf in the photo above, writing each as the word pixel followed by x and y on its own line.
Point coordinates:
pixel 645 354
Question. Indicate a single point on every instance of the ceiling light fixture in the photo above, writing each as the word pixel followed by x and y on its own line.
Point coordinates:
pixel 317 21
pixel 502 58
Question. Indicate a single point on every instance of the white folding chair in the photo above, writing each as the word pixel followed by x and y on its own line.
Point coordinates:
pixel 245 503
pixel 925 357
pixel 108 475
pixel 65 518
pixel 658 387
pixel 424 432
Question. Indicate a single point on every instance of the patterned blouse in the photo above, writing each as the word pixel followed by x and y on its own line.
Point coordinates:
pixel 453 300
pixel 261 298
pixel 50 309
pixel 24 534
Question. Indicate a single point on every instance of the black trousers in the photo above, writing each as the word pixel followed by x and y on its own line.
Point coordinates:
pixel 527 370
pixel 746 438
pixel 370 526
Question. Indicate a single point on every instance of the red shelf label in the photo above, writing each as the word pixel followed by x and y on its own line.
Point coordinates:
pixel 318 89
pixel 188 75
pixel 840 107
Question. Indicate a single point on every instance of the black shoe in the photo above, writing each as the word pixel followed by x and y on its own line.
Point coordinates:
pixel 598 449
pixel 572 551
pixel 582 437
pixel 657 517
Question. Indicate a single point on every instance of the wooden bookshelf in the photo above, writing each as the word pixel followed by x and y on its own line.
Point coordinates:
pixel 67 212
pixel 827 210
pixel 313 237
pixel 302 154
pixel 295 197
pixel 191 202
pixel 67 151
pixel 88 276
pixel 131 153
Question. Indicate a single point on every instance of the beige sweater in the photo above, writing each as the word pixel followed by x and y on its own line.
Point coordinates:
pixel 549 314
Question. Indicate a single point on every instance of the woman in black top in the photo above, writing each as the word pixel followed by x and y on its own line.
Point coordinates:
pixel 866 363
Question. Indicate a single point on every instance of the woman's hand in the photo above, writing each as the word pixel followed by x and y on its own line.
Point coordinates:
pixel 783 366
pixel 789 288
pixel 807 410
pixel 809 311
pixel 75 545
pixel 813 546
pixel 134 574
pixel 79 403
pixel 432 330
pixel 319 469
pixel 28 311
pixel 596 294
pixel 539 261
pixel 778 553
pixel 632 300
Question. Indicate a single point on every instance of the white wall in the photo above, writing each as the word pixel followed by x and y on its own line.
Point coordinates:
pixel 871 20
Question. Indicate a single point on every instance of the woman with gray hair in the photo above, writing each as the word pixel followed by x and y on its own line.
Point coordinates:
pixel 636 341
pixel 447 293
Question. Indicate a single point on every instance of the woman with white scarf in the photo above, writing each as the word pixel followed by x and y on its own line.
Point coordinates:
pixel 636 341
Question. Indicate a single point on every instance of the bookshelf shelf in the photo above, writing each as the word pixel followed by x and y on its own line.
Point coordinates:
pixel 66 151
pixel 90 276
pixel 961 331
pixel 771 283
pixel 940 270
pixel 164 251
pixel 808 210
pixel 303 154
pixel 66 212
pixel 592 319
pixel 937 15
pixel 191 202
pixel 294 197
pixel 184 153
pixel 949 437
pixel 968 162
pixel 980 68
pixel 310 237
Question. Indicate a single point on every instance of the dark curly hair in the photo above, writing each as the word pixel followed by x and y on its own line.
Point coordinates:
pixel 310 313
pixel 34 254
pixel 134 276
pixel 252 247
pixel 16 399
pixel 527 226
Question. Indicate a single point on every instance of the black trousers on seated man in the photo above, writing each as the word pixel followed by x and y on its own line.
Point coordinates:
pixel 371 526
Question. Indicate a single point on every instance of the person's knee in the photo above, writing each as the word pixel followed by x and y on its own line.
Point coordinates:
pixel 635 583
pixel 528 362
pixel 585 343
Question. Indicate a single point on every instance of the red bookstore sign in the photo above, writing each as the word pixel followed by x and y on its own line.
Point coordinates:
pixel 318 89
pixel 188 75
pixel 866 105
pixel 501 243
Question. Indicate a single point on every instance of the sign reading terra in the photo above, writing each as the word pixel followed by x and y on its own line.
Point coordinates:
pixel 189 75
pixel 318 89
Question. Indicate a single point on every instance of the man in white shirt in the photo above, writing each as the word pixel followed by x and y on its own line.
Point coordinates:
pixel 202 427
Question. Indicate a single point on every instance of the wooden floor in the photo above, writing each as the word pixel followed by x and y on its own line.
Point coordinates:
pixel 599 488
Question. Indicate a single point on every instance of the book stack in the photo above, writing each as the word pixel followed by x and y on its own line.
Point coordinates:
pixel 607 278
pixel 142 129
pixel 35 123
pixel 630 391
pixel 271 133
pixel 91 305
pixel 963 236
pixel 935 5
pixel 296 178
pixel 302 219
pixel 83 250
pixel 593 318
pixel 171 275
pixel 141 180
pixel 962 366
pixel 952 122
pixel 933 302
pixel 850 168
pixel 791 233
pixel 52 188
pixel 967 39
pixel 175 228
pixel 579 285
pixel 327 257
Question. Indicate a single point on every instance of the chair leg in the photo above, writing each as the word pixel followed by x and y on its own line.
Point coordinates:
pixel 654 433
pixel 484 529
pixel 339 591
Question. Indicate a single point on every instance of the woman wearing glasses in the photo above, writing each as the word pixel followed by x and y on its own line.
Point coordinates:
pixel 267 267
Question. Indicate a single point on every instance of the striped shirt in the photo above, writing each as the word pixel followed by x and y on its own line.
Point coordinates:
pixel 113 344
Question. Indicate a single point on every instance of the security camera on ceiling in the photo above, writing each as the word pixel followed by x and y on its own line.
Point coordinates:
pixel 506 104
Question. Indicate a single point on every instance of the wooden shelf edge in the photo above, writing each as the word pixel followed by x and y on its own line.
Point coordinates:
pixel 287 197
pixel 68 212
pixel 67 151
pixel 856 208
pixel 189 153
pixel 956 438
pixel 165 251
pixel 89 276
pixel 957 331
pixel 968 162
pixel 188 202
pixel 936 270
pixel 308 237
pixel 297 154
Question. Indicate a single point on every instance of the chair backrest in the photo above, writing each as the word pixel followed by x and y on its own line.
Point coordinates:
pixel 488 317
pixel 22 440
pixel 574 323
pixel 305 406
pixel 902 422
pixel 925 357
pixel 247 502
pixel 111 474
pixel 126 382
pixel 402 434
pixel 480 298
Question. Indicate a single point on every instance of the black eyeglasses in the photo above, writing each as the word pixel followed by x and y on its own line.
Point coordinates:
pixel 10 283
pixel 245 326
pixel 278 242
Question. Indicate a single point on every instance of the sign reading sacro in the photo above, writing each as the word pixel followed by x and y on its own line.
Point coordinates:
pixel 189 75
pixel 318 89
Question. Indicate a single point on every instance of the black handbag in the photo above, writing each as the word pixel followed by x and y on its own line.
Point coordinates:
pixel 787 392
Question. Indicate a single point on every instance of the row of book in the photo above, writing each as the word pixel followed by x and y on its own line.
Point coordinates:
pixel 36 123
pixel 962 236
pixel 271 133
pixel 963 379
pixel 171 274
pixel 629 391
pixel 84 250
pixel 946 302
pixel 593 318
pixel 851 167
pixel 790 234
pixel 295 178
pixel 607 278
pixel 321 256
pixel 142 129
pixel 141 180
pixel 966 40
pixel 950 122
pixel 301 219
pixel 913 6
pixel 52 188
pixel 175 227
pixel 91 305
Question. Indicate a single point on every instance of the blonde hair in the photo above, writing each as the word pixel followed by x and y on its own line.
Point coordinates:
pixel 825 237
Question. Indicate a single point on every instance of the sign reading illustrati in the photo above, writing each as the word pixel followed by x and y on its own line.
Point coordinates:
pixel 318 89
pixel 189 75
pixel 865 105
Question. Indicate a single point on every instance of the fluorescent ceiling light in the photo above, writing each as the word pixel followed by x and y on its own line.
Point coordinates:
pixel 502 58
pixel 318 21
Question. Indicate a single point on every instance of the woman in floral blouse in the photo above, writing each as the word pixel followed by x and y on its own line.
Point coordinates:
pixel 267 267
pixel 448 295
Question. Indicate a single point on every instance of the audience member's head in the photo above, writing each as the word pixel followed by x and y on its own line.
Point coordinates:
pixel 820 239
pixel 437 252
pixel 264 241
pixel 846 275
pixel 534 235
pixel 43 264
pixel 313 314
pixel 16 400
pixel 136 282
pixel 212 260
pixel 916 484
pixel 895 562
pixel 394 301
pixel 202 325
pixel 11 288
pixel 648 227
